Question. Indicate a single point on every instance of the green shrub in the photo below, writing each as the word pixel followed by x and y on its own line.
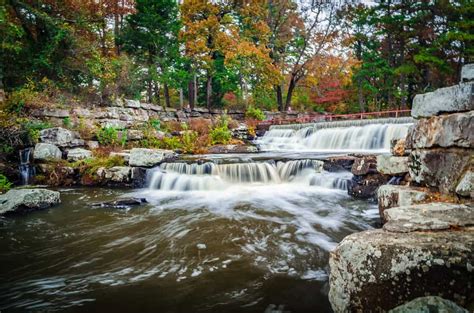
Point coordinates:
pixel 189 141
pixel 5 184
pixel 254 113
pixel 109 136
pixel 67 122
pixel 171 143
pixel 90 166
pixel 155 123
pixel 318 109
pixel 32 130
pixel 221 134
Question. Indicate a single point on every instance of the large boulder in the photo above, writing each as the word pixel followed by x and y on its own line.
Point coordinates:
pixel 24 200
pixel 453 130
pixel 339 164
pixel 428 305
pixel 116 175
pixel 465 187
pixel 46 152
pixel 148 157
pixel 398 147
pixel 365 187
pixel 441 168
pixel 390 196
pixel 392 165
pixel 428 216
pixel 60 137
pixel 378 270
pixel 78 154
pixel 458 98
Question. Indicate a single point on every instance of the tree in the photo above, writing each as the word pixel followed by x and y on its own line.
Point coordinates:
pixel 151 34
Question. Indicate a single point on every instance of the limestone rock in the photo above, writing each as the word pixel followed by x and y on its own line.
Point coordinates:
pixel 121 203
pixel 376 270
pixel 392 165
pixel 429 304
pixel 23 200
pixel 441 168
pixel 113 123
pixel 390 196
pixel 365 165
pixel 91 144
pixel 453 130
pixel 60 137
pixel 124 155
pixel 78 154
pixel 116 174
pixel 339 164
pixel 232 149
pixel 132 103
pixel 148 157
pixel 135 134
pixel 458 98
pixel 467 72
pixel 365 187
pixel 465 186
pixel 139 177
pixel 58 113
pixel 46 151
pixel 428 216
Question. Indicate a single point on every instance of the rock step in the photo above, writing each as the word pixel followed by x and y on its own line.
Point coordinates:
pixel 24 200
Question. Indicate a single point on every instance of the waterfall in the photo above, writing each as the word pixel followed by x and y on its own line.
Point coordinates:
pixel 339 180
pixel 210 176
pixel 345 136
pixel 27 170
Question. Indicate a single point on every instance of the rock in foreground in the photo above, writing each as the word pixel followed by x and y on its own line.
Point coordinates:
pixel 377 270
pixel 429 304
pixel 24 200
pixel 148 157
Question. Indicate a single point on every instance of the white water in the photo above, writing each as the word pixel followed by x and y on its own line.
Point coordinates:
pixel 321 137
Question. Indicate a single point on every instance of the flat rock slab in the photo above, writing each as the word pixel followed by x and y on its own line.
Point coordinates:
pixel 376 270
pixel 24 200
pixel 429 216
pixel 148 157
pixel 390 196
pixel 467 72
pixel 458 98
pixel 392 165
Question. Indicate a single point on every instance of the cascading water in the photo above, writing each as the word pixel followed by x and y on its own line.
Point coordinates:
pixel 335 136
pixel 27 170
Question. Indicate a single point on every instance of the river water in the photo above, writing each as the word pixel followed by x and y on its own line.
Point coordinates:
pixel 240 234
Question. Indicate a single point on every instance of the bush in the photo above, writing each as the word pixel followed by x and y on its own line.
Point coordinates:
pixel 170 143
pixel 110 136
pixel 254 113
pixel 32 130
pixel 67 122
pixel 155 123
pixel 5 184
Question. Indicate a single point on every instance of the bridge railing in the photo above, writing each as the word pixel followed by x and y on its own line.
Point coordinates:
pixel 314 118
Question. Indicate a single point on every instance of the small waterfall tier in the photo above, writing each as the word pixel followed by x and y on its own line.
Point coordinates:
pixel 357 135
pixel 211 176
pixel 26 168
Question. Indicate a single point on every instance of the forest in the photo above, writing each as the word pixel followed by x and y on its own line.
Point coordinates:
pixel 326 56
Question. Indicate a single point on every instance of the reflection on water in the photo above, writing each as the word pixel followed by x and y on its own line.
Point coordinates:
pixel 236 249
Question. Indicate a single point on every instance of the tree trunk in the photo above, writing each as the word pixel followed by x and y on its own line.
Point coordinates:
pixel 360 96
pixel 279 96
pixel 157 93
pixel 181 98
pixel 150 91
pixel 195 90
pixel 191 94
pixel 167 95
pixel 289 95
pixel 208 91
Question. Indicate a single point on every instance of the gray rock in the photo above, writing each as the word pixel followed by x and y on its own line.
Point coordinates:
pixel 78 154
pixel 441 168
pixel 465 186
pixel 392 165
pixel 339 164
pixel 181 115
pixel 46 151
pixel 124 155
pixel 58 113
pixel 132 103
pixel 398 147
pixel 366 186
pixel 458 98
pixel 61 137
pixel 121 203
pixel 148 157
pixel 232 149
pixel 23 200
pixel 428 305
pixel 113 123
pixel 428 216
pixel 390 196
pixel 139 177
pixel 467 72
pixel 91 144
pixel 116 174
pixel 453 130
pixel 118 102
pixel 156 108
pixel 376 270
pixel 135 134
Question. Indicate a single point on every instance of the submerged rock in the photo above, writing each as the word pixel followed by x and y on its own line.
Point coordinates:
pixel 428 216
pixel 339 164
pixel 148 157
pixel 365 187
pixel 46 151
pixel 392 165
pixel 121 203
pixel 429 305
pixel 390 196
pixel 24 200
pixel 377 270
pixel 458 98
